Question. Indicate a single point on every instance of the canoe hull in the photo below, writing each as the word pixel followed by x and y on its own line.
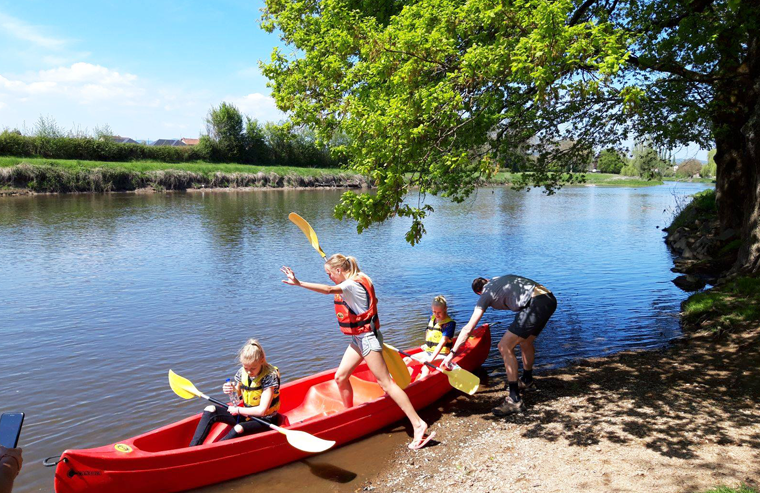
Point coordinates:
pixel 160 462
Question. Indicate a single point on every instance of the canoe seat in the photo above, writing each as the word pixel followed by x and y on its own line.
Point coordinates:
pixel 324 399
pixel 365 391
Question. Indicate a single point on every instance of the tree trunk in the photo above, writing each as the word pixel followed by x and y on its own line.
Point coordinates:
pixel 749 254
pixel 737 138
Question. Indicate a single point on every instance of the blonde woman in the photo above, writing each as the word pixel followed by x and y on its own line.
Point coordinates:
pixel 255 391
pixel 356 309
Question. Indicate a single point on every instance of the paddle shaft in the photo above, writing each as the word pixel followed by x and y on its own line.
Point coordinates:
pixel 426 362
pixel 220 403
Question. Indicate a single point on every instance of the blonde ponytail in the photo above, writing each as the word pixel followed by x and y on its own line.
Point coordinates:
pixel 252 352
pixel 348 265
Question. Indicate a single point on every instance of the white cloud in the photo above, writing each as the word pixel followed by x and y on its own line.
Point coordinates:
pixel 85 95
pixel 258 106
pixel 86 72
pixel 26 32
pixel 83 82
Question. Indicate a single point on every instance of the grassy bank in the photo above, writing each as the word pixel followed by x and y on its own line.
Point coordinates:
pixel 691 180
pixel 196 167
pixel 63 176
pixel 702 207
pixel 596 179
pixel 734 303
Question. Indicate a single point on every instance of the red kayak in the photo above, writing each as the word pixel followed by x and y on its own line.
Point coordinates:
pixel 161 462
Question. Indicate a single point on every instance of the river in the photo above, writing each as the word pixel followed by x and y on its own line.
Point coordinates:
pixel 100 295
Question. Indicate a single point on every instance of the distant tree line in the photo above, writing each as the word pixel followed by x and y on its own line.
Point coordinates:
pixel 650 163
pixel 231 138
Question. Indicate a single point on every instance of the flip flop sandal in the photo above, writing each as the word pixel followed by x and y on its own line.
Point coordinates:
pixel 422 442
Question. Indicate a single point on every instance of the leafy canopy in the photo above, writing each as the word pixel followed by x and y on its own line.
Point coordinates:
pixel 437 95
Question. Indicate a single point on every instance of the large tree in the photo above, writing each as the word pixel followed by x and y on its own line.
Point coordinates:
pixel 438 94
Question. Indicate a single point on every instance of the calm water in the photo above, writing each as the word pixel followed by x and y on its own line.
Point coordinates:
pixel 100 295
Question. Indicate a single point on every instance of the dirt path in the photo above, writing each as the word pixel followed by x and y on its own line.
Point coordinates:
pixel 684 419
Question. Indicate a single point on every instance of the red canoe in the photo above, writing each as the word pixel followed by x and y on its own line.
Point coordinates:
pixel 161 462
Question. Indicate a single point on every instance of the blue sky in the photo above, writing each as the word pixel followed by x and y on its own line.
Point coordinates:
pixel 148 69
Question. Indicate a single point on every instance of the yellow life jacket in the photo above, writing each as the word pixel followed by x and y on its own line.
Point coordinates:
pixel 252 390
pixel 433 336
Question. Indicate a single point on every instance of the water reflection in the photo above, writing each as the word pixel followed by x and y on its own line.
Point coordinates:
pixel 101 294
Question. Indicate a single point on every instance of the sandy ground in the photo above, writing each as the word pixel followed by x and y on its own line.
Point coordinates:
pixel 685 419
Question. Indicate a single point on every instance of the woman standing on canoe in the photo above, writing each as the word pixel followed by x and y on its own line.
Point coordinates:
pixel 356 309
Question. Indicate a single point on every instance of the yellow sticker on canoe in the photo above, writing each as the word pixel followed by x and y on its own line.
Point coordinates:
pixel 123 448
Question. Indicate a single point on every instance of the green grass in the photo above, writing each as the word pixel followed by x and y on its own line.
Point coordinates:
pixel 197 167
pixel 726 489
pixel 64 176
pixel 690 180
pixel 702 206
pixel 596 179
pixel 736 302
pixel 613 180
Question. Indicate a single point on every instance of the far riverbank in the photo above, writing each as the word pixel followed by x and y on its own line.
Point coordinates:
pixel 38 175
pixel 25 176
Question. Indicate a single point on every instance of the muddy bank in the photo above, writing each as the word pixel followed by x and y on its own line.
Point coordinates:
pixel 29 178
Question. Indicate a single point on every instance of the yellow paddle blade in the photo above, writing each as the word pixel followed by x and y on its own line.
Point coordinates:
pixel 308 231
pixel 182 386
pixel 396 366
pixel 463 380
pixel 306 442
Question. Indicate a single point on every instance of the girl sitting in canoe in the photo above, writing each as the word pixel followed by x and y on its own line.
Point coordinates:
pixel 258 383
pixel 356 309
pixel 439 335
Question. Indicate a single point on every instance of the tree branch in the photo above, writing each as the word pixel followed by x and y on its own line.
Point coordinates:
pixel 581 10
pixel 673 68
pixel 695 7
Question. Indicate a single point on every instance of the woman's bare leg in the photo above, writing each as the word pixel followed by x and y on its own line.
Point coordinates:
pixel 377 366
pixel 351 359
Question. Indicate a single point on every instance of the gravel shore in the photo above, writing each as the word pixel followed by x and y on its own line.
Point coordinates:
pixel 681 419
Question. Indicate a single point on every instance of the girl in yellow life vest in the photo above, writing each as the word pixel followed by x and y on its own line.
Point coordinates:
pixel 355 306
pixel 439 335
pixel 256 392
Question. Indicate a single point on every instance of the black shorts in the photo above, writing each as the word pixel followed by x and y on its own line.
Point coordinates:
pixel 531 320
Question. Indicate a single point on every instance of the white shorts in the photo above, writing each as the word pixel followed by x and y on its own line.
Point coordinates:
pixel 364 343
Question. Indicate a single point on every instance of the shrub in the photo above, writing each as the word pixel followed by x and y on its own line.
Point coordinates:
pixel 702 205
pixel 610 161
pixel 89 149
pixel 689 168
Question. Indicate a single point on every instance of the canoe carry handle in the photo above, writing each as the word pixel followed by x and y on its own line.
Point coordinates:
pixel 49 462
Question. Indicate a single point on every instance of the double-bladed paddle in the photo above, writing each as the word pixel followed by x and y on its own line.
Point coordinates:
pixel 298 439
pixel 459 378
pixel 393 361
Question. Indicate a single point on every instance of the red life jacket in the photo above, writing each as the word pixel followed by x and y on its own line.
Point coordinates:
pixel 352 323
